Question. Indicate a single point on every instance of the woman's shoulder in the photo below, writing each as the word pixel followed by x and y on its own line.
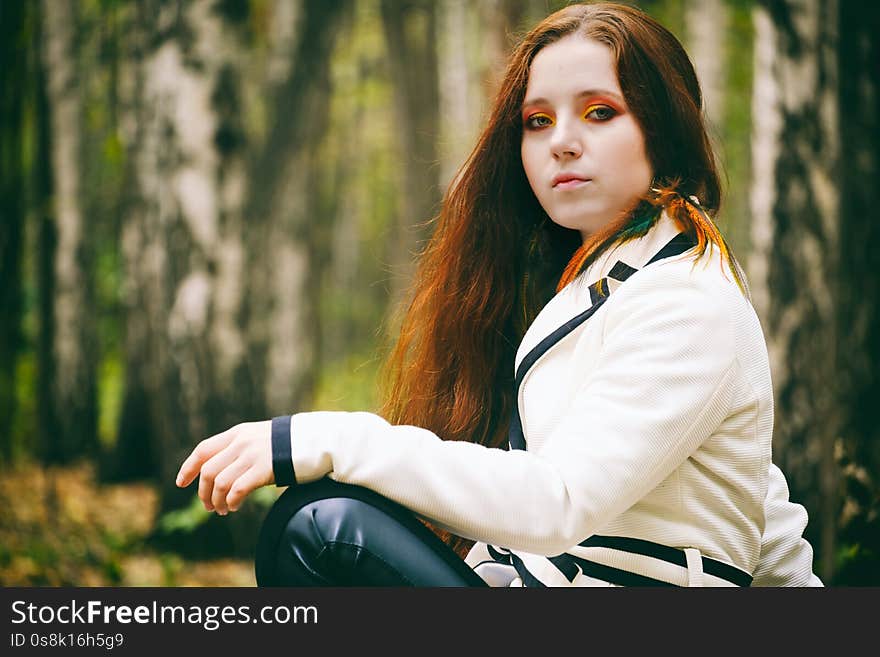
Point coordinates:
pixel 686 292
pixel 706 275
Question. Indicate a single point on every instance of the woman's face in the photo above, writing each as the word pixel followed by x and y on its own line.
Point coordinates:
pixel 582 150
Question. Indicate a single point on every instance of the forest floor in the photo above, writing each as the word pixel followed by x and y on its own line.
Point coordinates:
pixel 52 533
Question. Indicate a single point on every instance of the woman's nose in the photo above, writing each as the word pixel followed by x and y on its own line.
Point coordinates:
pixel 566 142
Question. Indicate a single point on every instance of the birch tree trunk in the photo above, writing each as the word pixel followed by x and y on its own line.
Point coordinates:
pixel 41 195
pixel 288 223
pixel 796 238
pixel 348 199
pixel 459 89
pixel 410 28
pixel 706 24
pixel 136 450
pixel 858 293
pixel 718 40
pixel 13 48
pixel 181 237
pixel 219 229
pixel 182 86
pixel 74 347
pixel 504 21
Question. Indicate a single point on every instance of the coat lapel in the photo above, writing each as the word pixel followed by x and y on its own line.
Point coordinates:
pixel 613 268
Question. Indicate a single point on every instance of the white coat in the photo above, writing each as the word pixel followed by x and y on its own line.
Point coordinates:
pixel 649 424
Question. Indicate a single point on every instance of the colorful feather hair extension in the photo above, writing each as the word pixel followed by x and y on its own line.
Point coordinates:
pixel 636 225
pixel 688 215
pixel 691 217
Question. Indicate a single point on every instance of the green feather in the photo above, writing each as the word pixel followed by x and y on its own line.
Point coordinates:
pixel 641 223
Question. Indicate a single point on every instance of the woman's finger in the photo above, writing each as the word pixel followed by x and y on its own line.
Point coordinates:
pixel 250 480
pixel 202 452
pixel 211 469
pixel 224 481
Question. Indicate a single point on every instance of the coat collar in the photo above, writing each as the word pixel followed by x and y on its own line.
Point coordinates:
pixel 601 278
pixel 620 260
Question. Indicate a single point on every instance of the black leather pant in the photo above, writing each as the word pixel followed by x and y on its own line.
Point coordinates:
pixel 331 534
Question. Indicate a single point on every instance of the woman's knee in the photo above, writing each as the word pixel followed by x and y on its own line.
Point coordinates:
pixel 340 541
pixel 331 534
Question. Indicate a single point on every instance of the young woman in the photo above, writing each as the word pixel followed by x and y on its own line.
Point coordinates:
pixel 627 440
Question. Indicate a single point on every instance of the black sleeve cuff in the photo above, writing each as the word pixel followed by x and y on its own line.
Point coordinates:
pixel 282 463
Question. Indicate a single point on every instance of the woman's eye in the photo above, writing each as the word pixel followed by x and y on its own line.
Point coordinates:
pixel 536 121
pixel 599 113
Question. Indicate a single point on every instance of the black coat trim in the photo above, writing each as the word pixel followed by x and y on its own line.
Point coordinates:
pixel 282 461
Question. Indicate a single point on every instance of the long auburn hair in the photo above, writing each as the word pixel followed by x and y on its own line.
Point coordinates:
pixel 495 257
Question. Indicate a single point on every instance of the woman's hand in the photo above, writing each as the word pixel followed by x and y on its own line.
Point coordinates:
pixel 230 465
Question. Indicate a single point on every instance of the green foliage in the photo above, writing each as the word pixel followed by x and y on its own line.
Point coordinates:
pixel 857 565
pixel 733 145
pixel 24 424
pixel 110 391
pixel 189 518
pixel 185 519
pixel 348 384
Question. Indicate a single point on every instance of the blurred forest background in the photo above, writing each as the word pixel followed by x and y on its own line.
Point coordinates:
pixel 210 209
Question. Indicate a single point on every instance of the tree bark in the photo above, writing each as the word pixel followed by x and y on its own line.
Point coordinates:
pixel 13 46
pixel 410 28
pixel 74 345
pixel 706 24
pixel 182 237
pixel 857 293
pixel 796 238
pixel 459 89
pixel 136 453
pixel 288 225
pixel 505 21
pixel 45 229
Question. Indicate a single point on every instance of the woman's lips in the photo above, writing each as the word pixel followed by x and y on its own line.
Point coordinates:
pixel 570 183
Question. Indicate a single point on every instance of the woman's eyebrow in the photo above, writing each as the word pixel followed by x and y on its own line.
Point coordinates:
pixel 583 94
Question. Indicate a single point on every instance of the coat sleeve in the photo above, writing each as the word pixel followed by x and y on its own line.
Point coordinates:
pixel 661 385
pixel 786 556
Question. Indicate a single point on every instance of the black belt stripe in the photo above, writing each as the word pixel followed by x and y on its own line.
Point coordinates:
pixel 611 574
pixel 670 554
pixel 501 557
pixel 569 565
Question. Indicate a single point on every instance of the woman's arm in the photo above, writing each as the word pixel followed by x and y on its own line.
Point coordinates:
pixel 661 385
pixel 786 556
